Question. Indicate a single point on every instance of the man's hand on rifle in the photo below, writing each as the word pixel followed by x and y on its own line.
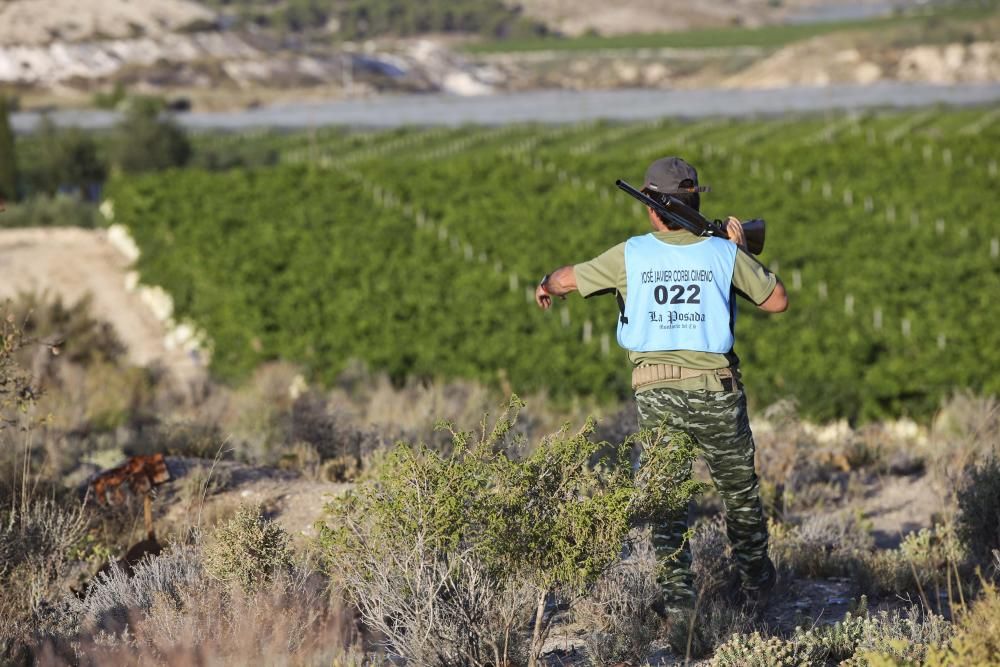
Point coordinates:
pixel 734 229
pixel 559 283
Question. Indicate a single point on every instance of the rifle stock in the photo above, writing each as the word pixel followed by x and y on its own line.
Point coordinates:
pixel 682 215
pixel 754 231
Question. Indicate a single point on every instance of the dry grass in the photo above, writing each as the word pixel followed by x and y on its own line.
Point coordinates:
pixel 170 612
pixel 617 615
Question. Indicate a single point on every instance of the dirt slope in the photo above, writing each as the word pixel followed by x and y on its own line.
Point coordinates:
pixel 72 263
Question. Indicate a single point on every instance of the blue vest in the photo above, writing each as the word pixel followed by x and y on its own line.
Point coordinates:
pixel 678 296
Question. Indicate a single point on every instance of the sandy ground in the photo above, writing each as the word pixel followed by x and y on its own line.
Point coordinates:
pixel 72 263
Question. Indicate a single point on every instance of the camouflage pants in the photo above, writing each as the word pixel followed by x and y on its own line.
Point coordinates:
pixel 718 422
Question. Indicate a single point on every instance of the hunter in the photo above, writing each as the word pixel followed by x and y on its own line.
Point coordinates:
pixel 676 293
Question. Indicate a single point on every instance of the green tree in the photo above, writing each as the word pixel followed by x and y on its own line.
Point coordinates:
pixel 82 161
pixel 63 158
pixel 8 158
pixel 145 141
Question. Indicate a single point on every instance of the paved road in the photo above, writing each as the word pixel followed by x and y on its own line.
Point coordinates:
pixel 557 106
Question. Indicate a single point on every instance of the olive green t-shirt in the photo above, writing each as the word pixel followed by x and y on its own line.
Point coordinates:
pixel 606 273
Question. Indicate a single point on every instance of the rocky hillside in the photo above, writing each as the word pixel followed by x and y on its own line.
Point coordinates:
pixel 45 22
pixel 53 54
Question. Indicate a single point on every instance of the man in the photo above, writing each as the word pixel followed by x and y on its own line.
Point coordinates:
pixel 676 296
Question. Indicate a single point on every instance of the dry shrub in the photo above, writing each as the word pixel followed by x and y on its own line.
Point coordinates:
pixel 116 596
pixel 411 411
pixel 796 470
pixel 783 443
pixel 413 408
pixel 926 561
pixel 617 614
pixel 301 457
pixel 979 509
pixel 975 641
pixel 98 397
pixel 910 637
pixel 81 362
pixel 715 617
pixel 248 550
pixel 823 545
pixel 713 565
pixel 37 551
pixel 171 613
pixel 965 430
pixel 803 465
pixel 179 438
pixel 619 621
pixel 82 338
pixel 330 431
pixel 710 625
pixel 251 415
pixel 828 545
pixel 201 480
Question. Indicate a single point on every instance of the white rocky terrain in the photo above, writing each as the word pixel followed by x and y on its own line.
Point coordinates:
pixel 42 22
pixel 54 53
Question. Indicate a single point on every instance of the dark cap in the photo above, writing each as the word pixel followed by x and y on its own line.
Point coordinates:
pixel 672 176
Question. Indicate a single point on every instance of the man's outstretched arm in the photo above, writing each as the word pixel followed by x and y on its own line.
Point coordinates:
pixel 559 283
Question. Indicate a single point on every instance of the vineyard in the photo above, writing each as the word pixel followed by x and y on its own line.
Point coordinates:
pixel 417 251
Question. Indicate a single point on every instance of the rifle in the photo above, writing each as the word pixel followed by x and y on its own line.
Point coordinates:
pixel 678 213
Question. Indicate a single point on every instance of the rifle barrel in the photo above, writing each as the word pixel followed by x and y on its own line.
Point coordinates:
pixel 664 211
pixel 677 213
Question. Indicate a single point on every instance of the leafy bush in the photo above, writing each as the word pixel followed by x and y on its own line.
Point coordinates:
pixel 977 639
pixel 62 160
pixel 447 554
pixel 979 509
pixel 248 550
pixel 146 142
